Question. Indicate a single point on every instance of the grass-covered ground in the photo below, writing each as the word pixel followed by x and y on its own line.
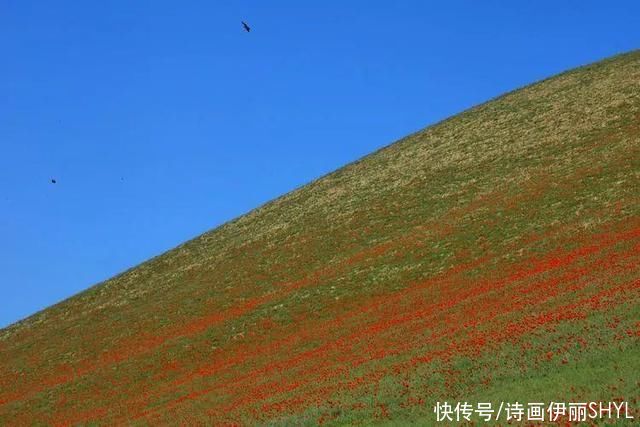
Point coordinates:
pixel 492 257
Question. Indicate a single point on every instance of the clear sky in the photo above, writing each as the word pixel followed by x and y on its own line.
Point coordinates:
pixel 163 119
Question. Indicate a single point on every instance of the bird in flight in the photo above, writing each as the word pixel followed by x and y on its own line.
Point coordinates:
pixel 53 181
pixel 246 27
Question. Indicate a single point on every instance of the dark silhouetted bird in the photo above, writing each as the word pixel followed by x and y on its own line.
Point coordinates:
pixel 53 181
pixel 246 27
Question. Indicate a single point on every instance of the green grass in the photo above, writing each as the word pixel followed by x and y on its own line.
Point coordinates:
pixel 373 292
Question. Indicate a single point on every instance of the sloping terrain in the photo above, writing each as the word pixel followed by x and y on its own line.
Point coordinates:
pixel 493 256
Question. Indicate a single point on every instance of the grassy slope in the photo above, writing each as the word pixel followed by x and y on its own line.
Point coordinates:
pixel 491 256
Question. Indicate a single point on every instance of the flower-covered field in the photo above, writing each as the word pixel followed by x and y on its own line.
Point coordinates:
pixel 492 257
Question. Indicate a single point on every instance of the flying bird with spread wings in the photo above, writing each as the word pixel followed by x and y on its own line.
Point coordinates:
pixel 247 28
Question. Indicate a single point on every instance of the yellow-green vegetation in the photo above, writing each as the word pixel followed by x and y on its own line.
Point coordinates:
pixel 491 257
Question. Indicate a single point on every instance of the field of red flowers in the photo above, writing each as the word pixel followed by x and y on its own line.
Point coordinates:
pixel 492 257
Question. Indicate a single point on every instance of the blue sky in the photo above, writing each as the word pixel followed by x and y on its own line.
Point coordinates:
pixel 161 120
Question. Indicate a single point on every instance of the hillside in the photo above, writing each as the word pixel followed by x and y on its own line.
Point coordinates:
pixel 492 256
